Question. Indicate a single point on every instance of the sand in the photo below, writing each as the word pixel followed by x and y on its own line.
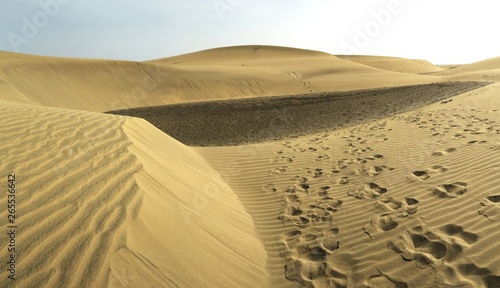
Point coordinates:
pixel 395 64
pixel 242 121
pixel 401 199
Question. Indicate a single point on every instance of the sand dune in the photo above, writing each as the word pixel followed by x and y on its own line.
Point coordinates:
pixel 314 71
pixel 124 84
pixel 488 64
pixel 486 70
pixel 96 207
pixel 394 64
pixel 399 200
pixel 237 55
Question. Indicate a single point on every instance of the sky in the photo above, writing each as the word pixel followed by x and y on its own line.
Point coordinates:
pixel 443 32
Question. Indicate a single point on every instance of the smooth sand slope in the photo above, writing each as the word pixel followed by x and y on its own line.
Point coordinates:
pixel 394 64
pixel 409 200
pixel 258 71
pixel 487 70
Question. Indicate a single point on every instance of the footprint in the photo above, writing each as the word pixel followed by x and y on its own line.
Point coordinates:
pixel 487 277
pixel 384 280
pixel 400 209
pixel 306 255
pixel 388 204
pixel 380 224
pixel 269 188
pixel 302 182
pixel 317 172
pixel 440 248
pixel 490 208
pixel 444 152
pixel 322 158
pixel 282 159
pixel 494 198
pixel 456 230
pixel 329 204
pixel 438 169
pixel 410 205
pixel 392 210
pixel 279 170
pixel 376 170
pixel 291 239
pixel 330 243
pixel 476 142
pixel 452 190
pixel 367 191
pixel 421 174
pixel 426 174
pixel 296 220
pixel 292 199
pixel 323 191
pixel 343 180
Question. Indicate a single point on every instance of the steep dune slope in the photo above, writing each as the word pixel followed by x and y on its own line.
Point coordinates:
pixel 105 201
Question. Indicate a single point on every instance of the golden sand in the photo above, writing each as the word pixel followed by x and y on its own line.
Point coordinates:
pixel 405 200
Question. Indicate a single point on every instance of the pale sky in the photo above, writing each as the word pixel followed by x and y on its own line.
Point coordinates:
pixel 441 31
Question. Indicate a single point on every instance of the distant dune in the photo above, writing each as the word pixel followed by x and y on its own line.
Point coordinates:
pixel 394 64
pixel 486 70
pixel 395 187
pixel 258 71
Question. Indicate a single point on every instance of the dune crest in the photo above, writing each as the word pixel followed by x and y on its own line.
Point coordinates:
pixel 394 64
pixel 199 76
pixel 96 207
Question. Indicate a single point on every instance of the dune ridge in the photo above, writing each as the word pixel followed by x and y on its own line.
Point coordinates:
pixel 394 64
pixel 191 77
pixel 91 211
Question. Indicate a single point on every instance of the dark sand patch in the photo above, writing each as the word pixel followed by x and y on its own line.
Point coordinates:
pixel 235 122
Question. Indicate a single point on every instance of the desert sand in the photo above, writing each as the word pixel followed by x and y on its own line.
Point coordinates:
pixel 397 195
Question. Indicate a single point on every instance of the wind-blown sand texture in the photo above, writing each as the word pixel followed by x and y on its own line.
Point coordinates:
pixel 403 197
